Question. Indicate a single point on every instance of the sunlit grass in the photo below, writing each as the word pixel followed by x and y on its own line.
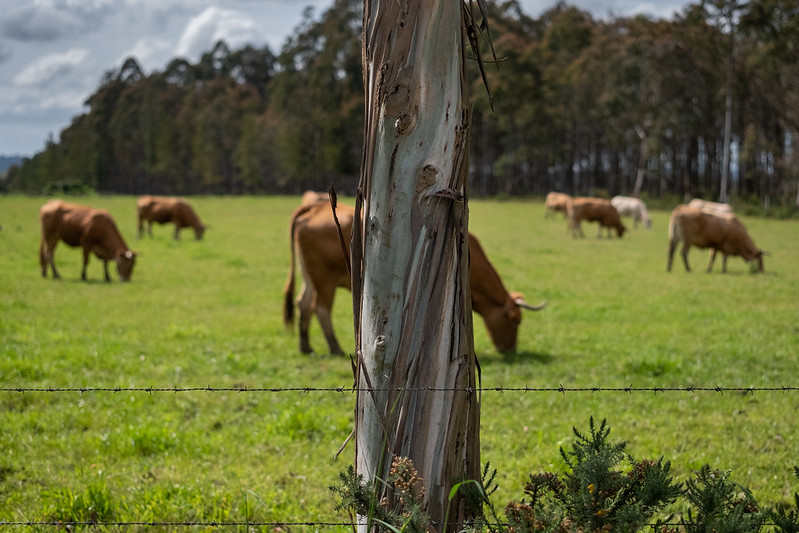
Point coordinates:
pixel 208 313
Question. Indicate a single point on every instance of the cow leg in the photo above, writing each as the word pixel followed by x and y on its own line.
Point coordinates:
pixel 712 259
pixel 724 264
pixel 672 248
pixel 327 326
pixel 576 229
pixel 177 231
pixel 305 305
pixel 324 303
pixel 105 267
pixel 150 228
pixel 47 256
pixel 86 252
pixel 43 257
pixel 685 257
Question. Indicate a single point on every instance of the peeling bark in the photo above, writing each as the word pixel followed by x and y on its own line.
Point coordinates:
pixel 413 319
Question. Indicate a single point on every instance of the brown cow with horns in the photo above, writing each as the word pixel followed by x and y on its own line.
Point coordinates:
pixel 92 229
pixel 315 239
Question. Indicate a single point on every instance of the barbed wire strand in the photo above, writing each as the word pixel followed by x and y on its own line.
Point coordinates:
pixel 342 390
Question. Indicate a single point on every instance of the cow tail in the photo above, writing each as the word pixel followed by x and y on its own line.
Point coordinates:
pixel 288 290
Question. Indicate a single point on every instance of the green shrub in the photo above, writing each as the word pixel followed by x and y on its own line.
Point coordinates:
pixel 402 512
pixel 595 495
pixel 720 504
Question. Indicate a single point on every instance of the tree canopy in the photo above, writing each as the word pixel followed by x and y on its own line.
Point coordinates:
pixel 580 105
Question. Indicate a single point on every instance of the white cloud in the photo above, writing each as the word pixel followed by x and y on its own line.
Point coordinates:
pixel 213 24
pixel 51 67
pixel 149 53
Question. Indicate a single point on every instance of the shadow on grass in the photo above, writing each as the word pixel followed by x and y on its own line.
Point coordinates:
pixel 91 281
pixel 516 358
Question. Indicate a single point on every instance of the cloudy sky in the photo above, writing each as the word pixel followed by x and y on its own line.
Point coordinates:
pixel 53 53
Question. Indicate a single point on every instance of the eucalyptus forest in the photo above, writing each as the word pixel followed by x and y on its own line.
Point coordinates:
pixel 703 104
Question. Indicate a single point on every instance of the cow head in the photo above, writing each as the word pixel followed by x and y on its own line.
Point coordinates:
pixel 503 322
pixel 125 261
pixel 620 229
pixel 199 231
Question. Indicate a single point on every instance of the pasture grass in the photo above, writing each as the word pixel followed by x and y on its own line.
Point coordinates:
pixel 209 313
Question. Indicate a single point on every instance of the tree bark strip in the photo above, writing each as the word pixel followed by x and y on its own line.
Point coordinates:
pixel 410 253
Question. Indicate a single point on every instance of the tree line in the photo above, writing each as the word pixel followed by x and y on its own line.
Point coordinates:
pixel 702 105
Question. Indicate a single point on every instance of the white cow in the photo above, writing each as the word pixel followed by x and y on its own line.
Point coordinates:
pixel 628 206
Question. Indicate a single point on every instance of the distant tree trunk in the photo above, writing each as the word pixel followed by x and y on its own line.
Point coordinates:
pixel 725 164
pixel 642 160
pixel 410 265
pixel 726 19
pixel 797 193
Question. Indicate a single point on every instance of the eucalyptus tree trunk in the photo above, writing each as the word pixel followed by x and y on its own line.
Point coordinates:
pixel 643 158
pixel 725 164
pixel 726 12
pixel 412 306
pixel 797 193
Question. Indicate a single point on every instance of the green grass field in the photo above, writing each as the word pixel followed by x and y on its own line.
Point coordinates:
pixel 208 314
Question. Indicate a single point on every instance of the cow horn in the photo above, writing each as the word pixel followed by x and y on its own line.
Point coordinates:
pixel 524 305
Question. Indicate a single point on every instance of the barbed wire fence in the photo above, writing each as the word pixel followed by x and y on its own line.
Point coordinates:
pixel 560 389
pixel 342 390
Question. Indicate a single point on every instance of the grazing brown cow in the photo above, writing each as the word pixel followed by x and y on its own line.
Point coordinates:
pixel 556 201
pixel 720 232
pixel 593 210
pixel 91 229
pixel 168 210
pixel 316 242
